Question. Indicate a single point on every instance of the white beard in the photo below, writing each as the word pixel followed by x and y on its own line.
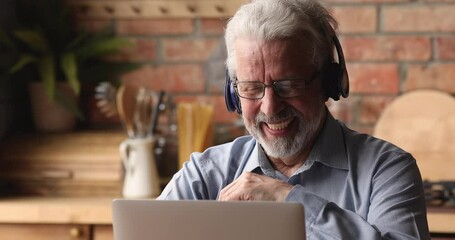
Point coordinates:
pixel 285 147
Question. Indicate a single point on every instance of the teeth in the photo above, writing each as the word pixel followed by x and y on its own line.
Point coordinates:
pixel 279 126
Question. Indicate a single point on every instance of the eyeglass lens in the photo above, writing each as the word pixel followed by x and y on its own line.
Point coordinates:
pixel 283 88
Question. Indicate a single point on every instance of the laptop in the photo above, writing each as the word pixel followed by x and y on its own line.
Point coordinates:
pixel 140 219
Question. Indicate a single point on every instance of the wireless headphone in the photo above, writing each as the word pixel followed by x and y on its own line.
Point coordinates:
pixel 335 81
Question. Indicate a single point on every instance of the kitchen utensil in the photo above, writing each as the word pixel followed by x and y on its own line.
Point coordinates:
pixel 141 174
pixel 126 102
pixel 159 107
pixel 145 103
pixel 105 94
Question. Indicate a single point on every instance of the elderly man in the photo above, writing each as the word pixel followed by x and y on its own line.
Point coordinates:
pixel 281 69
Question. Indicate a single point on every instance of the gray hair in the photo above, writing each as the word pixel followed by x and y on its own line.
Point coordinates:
pixel 266 20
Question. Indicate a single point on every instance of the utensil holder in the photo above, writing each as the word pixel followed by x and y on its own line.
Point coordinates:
pixel 141 174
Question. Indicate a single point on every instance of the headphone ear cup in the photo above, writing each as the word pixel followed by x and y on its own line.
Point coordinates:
pixel 235 99
pixel 336 80
pixel 342 73
pixel 230 97
pixel 343 81
pixel 332 81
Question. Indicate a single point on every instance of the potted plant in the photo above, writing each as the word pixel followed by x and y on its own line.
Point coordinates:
pixel 44 38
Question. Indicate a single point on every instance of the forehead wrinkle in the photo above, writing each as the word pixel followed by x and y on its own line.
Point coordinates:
pixel 281 58
pixel 255 60
pixel 275 59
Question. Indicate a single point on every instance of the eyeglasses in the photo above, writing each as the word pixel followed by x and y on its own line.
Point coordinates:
pixel 287 88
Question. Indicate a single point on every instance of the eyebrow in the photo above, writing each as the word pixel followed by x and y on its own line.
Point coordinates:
pixel 313 76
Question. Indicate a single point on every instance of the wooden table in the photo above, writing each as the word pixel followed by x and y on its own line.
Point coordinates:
pixel 56 210
pixel 47 218
pixel 441 219
pixel 95 215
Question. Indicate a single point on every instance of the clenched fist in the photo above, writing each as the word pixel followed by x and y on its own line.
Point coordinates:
pixel 254 187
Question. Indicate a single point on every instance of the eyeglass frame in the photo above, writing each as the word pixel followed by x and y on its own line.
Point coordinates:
pixel 273 84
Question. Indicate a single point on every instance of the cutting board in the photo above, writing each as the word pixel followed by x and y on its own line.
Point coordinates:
pixel 422 122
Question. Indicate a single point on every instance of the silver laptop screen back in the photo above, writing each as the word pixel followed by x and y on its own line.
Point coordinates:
pixel 207 220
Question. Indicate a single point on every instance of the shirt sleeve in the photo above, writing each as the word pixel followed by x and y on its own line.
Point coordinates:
pixel 185 184
pixel 205 174
pixel 396 209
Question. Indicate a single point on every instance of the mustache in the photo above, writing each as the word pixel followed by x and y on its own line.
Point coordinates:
pixel 284 114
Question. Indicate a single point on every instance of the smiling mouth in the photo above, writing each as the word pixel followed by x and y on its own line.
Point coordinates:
pixel 279 126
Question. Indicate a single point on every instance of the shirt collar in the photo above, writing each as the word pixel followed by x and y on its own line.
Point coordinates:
pixel 329 146
pixel 259 162
pixel 253 162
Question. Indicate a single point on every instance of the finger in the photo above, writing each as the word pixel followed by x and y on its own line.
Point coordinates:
pixel 239 189
pixel 228 192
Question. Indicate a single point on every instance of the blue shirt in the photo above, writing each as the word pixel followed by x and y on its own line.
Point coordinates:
pixel 353 186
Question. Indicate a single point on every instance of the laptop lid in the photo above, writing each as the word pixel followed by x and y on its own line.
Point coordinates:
pixel 207 220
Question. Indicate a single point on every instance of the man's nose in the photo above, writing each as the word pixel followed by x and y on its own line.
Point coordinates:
pixel 271 103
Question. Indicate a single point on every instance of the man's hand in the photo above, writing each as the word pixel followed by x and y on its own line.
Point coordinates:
pixel 251 186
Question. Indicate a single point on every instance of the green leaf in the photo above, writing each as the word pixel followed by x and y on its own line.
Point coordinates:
pixel 106 71
pixel 46 69
pixel 102 47
pixel 69 67
pixel 6 40
pixel 69 105
pixel 33 39
pixel 78 41
pixel 24 59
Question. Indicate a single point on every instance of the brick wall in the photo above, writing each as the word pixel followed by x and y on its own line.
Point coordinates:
pixel 391 47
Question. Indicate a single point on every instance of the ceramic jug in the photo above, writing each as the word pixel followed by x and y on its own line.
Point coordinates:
pixel 141 174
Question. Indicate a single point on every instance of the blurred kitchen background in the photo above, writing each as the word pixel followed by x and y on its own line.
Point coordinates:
pixel 392 47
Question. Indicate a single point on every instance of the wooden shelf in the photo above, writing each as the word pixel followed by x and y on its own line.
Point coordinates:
pixel 108 9
pixel 64 164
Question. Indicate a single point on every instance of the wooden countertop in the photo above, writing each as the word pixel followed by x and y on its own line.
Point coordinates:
pixel 97 210
pixel 441 219
pixel 72 210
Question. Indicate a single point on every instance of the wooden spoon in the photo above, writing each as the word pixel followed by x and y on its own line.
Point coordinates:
pixel 126 102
